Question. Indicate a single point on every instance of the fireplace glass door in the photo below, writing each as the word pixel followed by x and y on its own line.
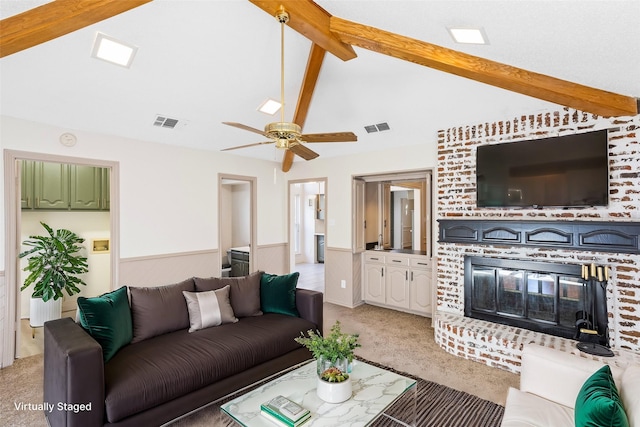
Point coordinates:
pixel 537 296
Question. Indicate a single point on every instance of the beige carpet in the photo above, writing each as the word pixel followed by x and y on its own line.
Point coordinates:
pixel 399 340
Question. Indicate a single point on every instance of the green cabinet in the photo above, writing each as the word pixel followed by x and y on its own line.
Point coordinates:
pixel 58 186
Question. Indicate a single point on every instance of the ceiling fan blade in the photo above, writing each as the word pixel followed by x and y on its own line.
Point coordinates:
pixel 247 145
pixel 312 21
pixel 55 19
pixel 245 127
pixel 483 70
pixel 303 151
pixel 311 73
pixel 330 137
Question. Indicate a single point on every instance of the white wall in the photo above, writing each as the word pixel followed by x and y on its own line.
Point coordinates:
pixel 168 194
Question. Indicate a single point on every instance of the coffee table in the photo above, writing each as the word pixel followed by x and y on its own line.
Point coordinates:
pixel 374 391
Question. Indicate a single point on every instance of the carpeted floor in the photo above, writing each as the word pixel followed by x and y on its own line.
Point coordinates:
pixel 397 340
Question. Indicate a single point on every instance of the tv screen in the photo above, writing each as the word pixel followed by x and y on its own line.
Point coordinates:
pixel 563 171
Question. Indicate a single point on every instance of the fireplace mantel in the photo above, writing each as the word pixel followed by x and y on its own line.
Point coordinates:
pixel 596 236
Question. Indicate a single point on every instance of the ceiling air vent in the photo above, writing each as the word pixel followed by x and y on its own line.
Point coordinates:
pixel 377 128
pixel 165 122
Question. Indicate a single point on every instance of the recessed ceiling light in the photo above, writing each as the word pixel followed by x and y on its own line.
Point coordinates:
pixel 468 35
pixel 111 50
pixel 269 106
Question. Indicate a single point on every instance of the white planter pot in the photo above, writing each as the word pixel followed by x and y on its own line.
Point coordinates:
pixel 40 311
pixel 334 392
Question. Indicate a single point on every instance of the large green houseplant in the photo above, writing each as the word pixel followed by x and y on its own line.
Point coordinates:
pixel 54 264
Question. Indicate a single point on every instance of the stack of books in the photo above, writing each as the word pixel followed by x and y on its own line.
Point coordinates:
pixel 284 412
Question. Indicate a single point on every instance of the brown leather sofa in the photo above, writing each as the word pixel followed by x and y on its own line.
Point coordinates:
pixel 155 380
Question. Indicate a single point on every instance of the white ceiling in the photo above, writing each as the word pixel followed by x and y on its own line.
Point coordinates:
pixel 208 61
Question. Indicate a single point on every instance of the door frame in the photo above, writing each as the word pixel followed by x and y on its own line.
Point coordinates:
pixel 253 201
pixel 11 335
pixel 291 258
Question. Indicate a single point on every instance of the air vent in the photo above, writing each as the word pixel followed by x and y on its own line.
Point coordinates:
pixel 165 122
pixel 377 128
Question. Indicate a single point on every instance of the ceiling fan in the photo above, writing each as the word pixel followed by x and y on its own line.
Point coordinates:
pixel 288 135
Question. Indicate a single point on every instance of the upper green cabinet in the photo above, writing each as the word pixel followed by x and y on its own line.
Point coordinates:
pixel 64 187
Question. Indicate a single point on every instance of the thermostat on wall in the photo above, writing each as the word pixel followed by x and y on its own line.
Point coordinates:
pixel 68 139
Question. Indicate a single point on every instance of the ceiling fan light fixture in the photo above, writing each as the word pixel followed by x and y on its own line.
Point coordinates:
pixel 468 35
pixel 270 106
pixel 283 131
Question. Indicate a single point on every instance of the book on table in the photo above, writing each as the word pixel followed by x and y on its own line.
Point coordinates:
pixel 286 411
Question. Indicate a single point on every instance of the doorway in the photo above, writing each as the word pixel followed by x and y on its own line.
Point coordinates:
pixel 21 222
pixel 237 227
pixel 308 231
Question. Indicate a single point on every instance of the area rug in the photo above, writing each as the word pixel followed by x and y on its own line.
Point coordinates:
pixel 436 406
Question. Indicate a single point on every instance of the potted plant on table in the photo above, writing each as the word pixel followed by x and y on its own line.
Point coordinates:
pixel 54 264
pixel 334 354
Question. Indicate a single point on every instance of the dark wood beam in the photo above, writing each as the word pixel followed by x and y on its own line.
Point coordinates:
pixel 55 19
pixel 311 21
pixel 518 80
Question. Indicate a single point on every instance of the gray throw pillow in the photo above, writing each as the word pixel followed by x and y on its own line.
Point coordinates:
pixel 209 308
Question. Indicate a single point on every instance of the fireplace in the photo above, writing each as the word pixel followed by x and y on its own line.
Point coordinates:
pixel 539 296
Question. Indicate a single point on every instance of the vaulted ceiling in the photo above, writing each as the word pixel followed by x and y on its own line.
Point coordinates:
pixel 205 62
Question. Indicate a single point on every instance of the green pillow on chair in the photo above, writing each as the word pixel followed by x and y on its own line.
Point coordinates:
pixel 598 403
pixel 278 293
pixel 107 319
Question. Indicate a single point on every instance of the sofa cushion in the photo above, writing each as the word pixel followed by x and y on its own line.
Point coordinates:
pixel 107 319
pixel 278 293
pixel 630 394
pixel 159 310
pixel 146 374
pixel 598 403
pixel 244 293
pixel 209 308
pixel 526 410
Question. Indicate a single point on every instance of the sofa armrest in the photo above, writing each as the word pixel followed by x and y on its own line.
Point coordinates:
pixel 309 305
pixel 554 374
pixel 73 375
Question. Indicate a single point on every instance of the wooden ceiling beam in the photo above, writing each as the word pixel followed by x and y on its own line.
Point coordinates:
pixel 310 20
pixel 518 80
pixel 311 74
pixel 55 19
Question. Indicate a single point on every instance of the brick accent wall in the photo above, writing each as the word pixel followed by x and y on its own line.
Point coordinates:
pixel 456 198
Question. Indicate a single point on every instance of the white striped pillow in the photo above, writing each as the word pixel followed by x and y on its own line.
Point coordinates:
pixel 207 309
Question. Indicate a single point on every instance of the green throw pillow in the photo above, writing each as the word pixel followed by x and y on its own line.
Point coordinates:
pixel 598 403
pixel 278 293
pixel 107 319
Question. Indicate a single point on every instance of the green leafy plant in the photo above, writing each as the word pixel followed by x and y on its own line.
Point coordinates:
pixel 336 345
pixel 54 264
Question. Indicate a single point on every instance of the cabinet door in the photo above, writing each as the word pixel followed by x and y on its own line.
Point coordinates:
pixel 421 290
pixel 51 185
pixel 27 199
pixel 397 286
pixel 86 187
pixel 374 287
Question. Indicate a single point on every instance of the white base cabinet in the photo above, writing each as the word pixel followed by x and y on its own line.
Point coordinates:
pixel 399 281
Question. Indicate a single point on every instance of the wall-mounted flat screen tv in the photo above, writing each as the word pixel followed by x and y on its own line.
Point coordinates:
pixel 565 171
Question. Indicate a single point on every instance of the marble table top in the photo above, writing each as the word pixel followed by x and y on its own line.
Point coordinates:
pixel 374 390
